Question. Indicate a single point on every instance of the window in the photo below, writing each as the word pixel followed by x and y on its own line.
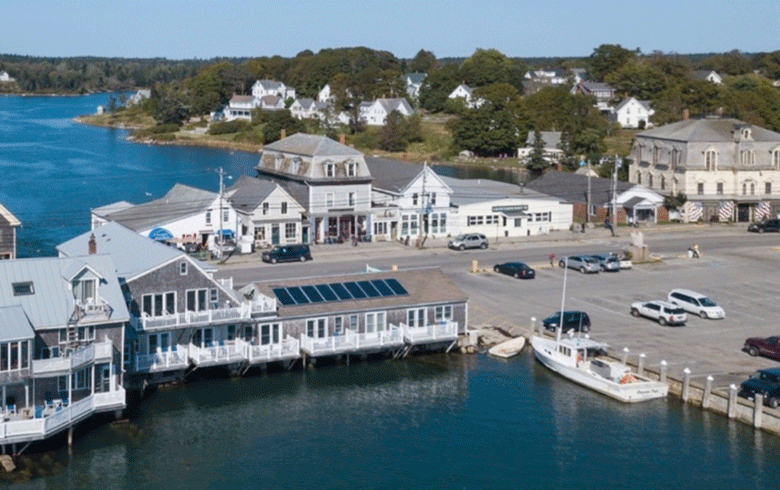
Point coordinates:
pixel 639 177
pixel 700 188
pixel 269 333
pixel 748 157
pixel 316 328
pixel 353 322
pixel 260 233
pixel 85 291
pixel 329 200
pixel 183 268
pixel 81 379
pixel 409 225
pixel 656 154
pixel 415 198
pixel 23 288
pixel 351 199
pixel 518 222
pixel 650 181
pixel 767 188
pixel 433 199
pixel 711 159
pixel 776 159
pixel 225 215
pixel 375 322
pixel 196 300
pixel 284 207
pixel 265 208
pixel 542 216
pixel 159 304
pixel 289 231
pixel 159 341
pixel 330 170
pixel 442 313
pixel 752 188
pixel 663 182
pixel 338 325
pixel 208 216
pixel 86 333
pixel 351 169
pixel 719 188
pixel 416 317
pixel 231 332
pixel 15 355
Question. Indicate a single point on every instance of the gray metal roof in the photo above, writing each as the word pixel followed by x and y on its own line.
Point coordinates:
pixel 14 324
pixel 574 187
pixel 132 253
pixel 51 302
pixel 392 175
pixel 249 192
pixel 711 130
pixel 115 207
pixel 311 145
pixel 551 139
pixel 470 191
pixel 179 202
pixel 298 190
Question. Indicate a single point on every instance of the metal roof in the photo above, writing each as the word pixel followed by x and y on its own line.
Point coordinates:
pixel 249 192
pixel 14 324
pixel 711 130
pixel 392 175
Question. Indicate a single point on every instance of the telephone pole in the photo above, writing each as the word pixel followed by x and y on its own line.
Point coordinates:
pixel 220 237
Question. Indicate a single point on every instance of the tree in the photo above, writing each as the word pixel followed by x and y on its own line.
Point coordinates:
pixel 168 104
pixel 489 66
pixel 536 163
pixel 637 78
pixel 275 121
pixel 753 99
pixel 437 87
pixel 608 58
pixel 423 61
pixel 392 137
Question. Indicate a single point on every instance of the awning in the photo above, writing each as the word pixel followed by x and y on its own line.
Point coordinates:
pixel 160 234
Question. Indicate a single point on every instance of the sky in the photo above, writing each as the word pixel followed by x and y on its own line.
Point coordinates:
pixel 204 29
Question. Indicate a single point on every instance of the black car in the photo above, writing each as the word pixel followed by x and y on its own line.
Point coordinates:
pixel 287 253
pixel 579 321
pixel 515 269
pixel 767 383
pixel 767 225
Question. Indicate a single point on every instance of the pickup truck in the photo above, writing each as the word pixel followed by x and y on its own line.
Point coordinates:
pixel 769 347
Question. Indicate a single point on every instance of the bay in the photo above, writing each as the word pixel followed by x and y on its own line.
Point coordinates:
pixel 439 421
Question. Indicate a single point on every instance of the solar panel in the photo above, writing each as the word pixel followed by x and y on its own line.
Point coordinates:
pixel 284 296
pixel 382 287
pixel 396 286
pixel 312 293
pixel 355 290
pixel 369 289
pixel 298 295
pixel 341 291
pixel 326 292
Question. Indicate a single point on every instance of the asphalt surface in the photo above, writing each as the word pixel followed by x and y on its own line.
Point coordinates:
pixel 737 269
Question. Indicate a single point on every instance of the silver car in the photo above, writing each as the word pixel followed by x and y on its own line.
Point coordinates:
pixel 607 262
pixel 582 263
pixel 469 240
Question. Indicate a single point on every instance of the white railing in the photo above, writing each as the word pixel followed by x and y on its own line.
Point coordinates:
pixel 436 332
pixel 384 338
pixel 352 341
pixel 176 357
pixel 224 353
pixel 40 428
pixel 79 358
pixel 189 318
pixel 289 348
pixel 263 304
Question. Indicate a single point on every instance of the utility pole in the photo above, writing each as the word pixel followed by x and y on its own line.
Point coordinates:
pixel 587 210
pixel 424 205
pixel 614 193
pixel 220 238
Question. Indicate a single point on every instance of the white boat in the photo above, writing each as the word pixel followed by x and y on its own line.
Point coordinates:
pixel 583 361
pixel 509 348
pixel 580 359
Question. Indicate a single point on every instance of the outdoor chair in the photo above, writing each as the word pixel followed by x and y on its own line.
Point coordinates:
pixel 38 411
pixel 64 398
pixel 48 400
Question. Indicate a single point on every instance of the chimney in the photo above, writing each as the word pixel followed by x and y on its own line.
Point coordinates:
pixel 284 133
pixel 686 114
pixel 92 245
pixel 343 138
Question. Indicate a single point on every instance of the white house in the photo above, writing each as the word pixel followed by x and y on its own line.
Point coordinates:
pixel 308 109
pixel 271 103
pixel 552 146
pixel 408 200
pixel 266 212
pixel 464 92
pixel 183 214
pixel 5 77
pixel 499 209
pixel 633 113
pixel 375 113
pixel 709 75
pixel 603 92
pixel 413 82
pixel 324 95
pixel 262 88
pixel 139 97
pixel 241 107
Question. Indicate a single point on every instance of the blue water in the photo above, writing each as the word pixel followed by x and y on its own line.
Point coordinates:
pixel 438 422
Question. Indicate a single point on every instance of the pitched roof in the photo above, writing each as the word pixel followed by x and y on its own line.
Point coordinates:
pixel 16 325
pixel 179 202
pixel 311 145
pixel 102 211
pixel 51 302
pixel 711 130
pixel 551 139
pixel 242 99
pixel 391 105
pixel 7 216
pixel 392 175
pixel 471 191
pixel 574 187
pixel 416 77
pixel 249 192
pixel 133 254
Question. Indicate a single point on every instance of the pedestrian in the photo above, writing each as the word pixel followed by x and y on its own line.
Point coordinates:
pixel 695 250
pixel 583 227
pixel 608 226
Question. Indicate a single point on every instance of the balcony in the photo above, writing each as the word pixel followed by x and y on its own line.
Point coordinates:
pixel 428 334
pixel 352 342
pixel 93 310
pixel 194 318
pixel 177 357
pixel 92 353
pixel 289 348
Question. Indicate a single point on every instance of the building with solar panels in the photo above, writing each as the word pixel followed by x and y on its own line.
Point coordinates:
pixel 391 312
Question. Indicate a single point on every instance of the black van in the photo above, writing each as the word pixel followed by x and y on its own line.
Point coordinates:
pixel 287 253
pixel 577 320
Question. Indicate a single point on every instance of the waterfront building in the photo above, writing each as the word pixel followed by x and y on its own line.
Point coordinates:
pixel 391 312
pixel 62 324
pixel 241 107
pixel 330 180
pixel 375 113
pixel 8 225
pixel 408 200
pixel 181 318
pixel 729 170
pixel 551 140
pixel 261 88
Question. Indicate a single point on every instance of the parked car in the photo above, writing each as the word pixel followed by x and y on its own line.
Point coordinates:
pixel 582 263
pixel 695 303
pixel 470 240
pixel 769 346
pixel 579 321
pixel 607 262
pixel 624 258
pixel 516 270
pixel 665 313
pixel 765 382
pixel 287 253
pixel 766 225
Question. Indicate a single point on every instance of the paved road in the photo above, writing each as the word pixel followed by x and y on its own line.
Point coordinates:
pixel 737 269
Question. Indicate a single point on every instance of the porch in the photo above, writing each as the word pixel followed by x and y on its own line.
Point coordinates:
pixel 196 318
pixel 288 349
pixel 432 333
pixel 351 342
pixel 93 353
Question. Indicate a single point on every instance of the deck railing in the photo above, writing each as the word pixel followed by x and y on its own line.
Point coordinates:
pixel 99 351
pixel 175 357
pixel 350 340
pixel 435 332
pixel 289 348
pixel 193 318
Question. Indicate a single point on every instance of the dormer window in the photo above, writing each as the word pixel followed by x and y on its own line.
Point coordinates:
pixel 85 291
pixel 776 158
pixel 711 159
pixel 295 165
pixel 330 169
pixel 23 288
pixel 351 169
pixel 278 162
pixel 746 134
pixel 748 157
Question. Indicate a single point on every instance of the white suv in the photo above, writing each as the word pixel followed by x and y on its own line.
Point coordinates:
pixel 696 303
pixel 470 240
pixel 665 313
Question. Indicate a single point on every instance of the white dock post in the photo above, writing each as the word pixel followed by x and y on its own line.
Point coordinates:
pixel 625 355
pixel 662 375
pixel 758 410
pixel 640 368
pixel 533 327
pixel 686 384
pixel 732 401
pixel 705 400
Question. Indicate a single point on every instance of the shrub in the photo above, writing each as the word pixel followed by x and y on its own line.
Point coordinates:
pixel 164 128
pixel 229 127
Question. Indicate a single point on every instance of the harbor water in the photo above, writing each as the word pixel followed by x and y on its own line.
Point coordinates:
pixel 436 421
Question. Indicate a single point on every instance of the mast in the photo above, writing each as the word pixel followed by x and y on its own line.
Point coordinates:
pixel 563 301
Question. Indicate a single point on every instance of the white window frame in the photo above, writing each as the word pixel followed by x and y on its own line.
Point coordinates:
pixel 317 328
pixel 415 316
pixel 183 268
pixel 442 313
pixel 199 303
pixel 168 302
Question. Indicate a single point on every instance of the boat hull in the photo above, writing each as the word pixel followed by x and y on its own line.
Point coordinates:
pixel 509 348
pixel 641 390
